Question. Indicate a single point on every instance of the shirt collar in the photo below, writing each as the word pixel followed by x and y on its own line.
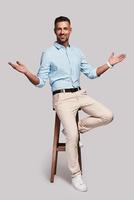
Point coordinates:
pixel 59 46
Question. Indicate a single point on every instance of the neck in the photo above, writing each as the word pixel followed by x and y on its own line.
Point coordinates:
pixel 65 44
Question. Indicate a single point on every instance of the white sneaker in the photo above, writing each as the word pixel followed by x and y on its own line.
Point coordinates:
pixel 78 183
pixel 80 143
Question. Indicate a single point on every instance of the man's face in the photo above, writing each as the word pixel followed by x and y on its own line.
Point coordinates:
pixel 62 31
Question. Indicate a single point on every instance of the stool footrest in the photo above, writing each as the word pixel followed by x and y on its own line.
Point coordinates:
pixel 61 147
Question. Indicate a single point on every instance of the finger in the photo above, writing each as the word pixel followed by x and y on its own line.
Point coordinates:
pixel 18 63
pixel 122 56
pixel 112 54
pixel 11 64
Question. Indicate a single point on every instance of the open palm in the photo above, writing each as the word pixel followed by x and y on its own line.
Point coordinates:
pixel 19 67
pixel 116 59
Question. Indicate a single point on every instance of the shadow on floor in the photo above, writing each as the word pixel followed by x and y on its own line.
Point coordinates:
pixel 62 169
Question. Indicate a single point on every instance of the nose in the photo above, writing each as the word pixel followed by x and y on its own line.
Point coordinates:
pixel 62 31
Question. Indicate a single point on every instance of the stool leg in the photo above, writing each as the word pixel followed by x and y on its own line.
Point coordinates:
pixel 79 149
pixel 80 161
pixel 55 142
pixel 56 162
pixel 58 133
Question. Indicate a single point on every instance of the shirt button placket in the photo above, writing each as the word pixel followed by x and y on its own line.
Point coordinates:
pixel 69 65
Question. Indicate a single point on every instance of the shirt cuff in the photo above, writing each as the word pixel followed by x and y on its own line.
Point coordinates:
pixel 94 74
pixel 41 83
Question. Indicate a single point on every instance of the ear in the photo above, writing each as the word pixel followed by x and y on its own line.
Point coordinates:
pixel 71 29
pixel 54 30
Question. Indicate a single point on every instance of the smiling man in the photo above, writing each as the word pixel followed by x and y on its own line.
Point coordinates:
pixel 62 30
pixel 63 63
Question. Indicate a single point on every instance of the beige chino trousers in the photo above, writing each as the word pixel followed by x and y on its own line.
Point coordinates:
pixel 66 105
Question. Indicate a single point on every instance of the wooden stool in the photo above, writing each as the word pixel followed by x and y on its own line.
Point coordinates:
pixel 57 146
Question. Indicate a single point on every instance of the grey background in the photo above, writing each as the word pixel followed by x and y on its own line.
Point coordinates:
pixel 26 115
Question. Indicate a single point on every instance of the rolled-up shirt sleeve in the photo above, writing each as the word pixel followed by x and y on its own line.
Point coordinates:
pixel 43 70
pixel 87 69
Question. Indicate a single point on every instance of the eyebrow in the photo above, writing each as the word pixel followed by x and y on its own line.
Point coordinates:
pixel 63 27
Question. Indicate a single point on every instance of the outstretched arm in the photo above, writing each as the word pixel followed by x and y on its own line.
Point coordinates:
pixel 23 69
pixel 113 60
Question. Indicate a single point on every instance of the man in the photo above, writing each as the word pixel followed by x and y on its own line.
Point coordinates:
pixel 62 64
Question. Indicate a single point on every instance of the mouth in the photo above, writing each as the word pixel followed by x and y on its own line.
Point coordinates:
pixel 62 36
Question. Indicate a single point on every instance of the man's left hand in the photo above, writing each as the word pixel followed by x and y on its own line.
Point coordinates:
pixel 116 59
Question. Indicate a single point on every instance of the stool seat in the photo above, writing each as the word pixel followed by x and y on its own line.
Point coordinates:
pixel 58 146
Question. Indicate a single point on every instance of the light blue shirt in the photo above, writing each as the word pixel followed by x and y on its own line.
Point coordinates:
pixel 63 67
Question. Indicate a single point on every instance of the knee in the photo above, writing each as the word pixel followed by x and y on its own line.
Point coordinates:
pixel 108 117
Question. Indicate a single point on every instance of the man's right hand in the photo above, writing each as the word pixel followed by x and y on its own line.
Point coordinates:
pixel 23 69
pixel 19 67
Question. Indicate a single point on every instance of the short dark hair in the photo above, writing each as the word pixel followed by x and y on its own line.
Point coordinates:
pixel 61 19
